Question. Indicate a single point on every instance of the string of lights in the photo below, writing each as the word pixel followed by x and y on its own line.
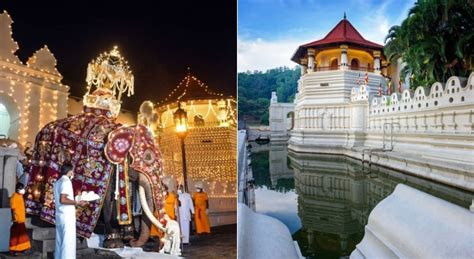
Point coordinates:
pixel 37 78
pixel 211 138
pixel 185 83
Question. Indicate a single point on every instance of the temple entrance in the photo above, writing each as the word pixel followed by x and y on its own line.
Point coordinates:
pixel 4 120
pixel 9 117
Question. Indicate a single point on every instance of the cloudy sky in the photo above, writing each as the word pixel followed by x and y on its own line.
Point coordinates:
pixel 269 31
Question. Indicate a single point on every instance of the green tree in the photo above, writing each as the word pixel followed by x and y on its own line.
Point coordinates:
pixel 435 41
pixel 255 89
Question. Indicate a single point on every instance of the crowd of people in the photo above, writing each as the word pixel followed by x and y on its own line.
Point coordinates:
pixel 180 208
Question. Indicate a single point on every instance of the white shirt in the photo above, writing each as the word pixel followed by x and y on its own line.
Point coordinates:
pixel 64 212
pixel 186 206
pixel 19 169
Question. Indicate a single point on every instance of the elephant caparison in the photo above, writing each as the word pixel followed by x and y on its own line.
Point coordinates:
pixel 106 157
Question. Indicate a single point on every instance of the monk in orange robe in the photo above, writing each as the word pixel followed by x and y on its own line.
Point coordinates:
pixel 201 204
pixel 170 205
pixel 19 240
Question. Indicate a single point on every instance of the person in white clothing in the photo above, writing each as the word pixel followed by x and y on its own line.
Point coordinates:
pixel 65 214
pixel 186 209
pixel 172 239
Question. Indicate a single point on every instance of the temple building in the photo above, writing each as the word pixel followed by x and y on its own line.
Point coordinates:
pixel 209 147
pixel 342 49
pixel 346 104
pixel 330 68
pixel 31 93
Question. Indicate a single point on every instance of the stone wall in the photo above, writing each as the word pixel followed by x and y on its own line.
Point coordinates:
pixel 253 132
pixel 8 163
pixel 281 118
pixel 439 109
pixel 396 230
pixel 261 236
pixel 427 132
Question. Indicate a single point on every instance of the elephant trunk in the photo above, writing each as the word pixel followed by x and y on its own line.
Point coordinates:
pixel 146 201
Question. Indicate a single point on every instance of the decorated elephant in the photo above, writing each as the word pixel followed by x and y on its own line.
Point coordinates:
pixel 106 156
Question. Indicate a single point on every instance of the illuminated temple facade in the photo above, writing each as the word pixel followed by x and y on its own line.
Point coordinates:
pixel 209 146
pixel 31 93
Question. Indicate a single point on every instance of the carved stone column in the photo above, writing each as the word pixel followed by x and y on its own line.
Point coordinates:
pixel 344 65
pixel 377 62
pixel 304 66
pixel 311 55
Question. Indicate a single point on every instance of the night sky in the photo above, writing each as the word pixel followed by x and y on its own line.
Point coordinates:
pixel 159 40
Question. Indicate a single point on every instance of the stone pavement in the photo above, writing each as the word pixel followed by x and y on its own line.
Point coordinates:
pixel 221 243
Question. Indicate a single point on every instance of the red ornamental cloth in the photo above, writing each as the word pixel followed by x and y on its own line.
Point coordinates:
pixel 146 157
pixel 80 140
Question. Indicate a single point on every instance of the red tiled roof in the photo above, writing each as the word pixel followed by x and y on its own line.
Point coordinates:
pixel 343 33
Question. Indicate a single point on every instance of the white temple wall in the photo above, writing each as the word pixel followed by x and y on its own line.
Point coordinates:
pixel 334 86
pixel 31 91
pixel 30 106
pixel 211 156
pixel 254 132
pixel 281 119
pixel 432 129
pixel 279 164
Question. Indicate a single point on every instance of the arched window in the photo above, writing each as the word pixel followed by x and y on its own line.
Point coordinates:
pixel 291 121
pixel 4 120
pixel 334 64
pixel 9 117
pixel 355 64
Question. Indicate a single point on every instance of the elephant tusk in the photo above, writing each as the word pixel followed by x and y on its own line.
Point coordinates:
pixel 146 209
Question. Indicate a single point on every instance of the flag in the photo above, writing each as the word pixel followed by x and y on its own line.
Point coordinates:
pixel 366 78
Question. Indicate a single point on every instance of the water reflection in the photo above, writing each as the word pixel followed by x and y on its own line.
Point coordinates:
pixel 327 199
pixel 275 194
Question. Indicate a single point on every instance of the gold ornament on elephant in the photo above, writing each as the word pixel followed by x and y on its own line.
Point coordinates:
pixel 111 76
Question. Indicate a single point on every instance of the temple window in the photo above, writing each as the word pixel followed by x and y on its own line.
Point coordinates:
pixel 334 64
pixel 4 120
pixel 355 64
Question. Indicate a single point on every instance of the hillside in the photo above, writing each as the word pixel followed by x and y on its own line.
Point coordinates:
pixel 255 89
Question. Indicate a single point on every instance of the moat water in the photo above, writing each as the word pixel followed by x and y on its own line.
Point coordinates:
pixel 325 200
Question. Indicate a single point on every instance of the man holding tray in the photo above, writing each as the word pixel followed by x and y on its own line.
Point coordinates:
pixel 65 214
